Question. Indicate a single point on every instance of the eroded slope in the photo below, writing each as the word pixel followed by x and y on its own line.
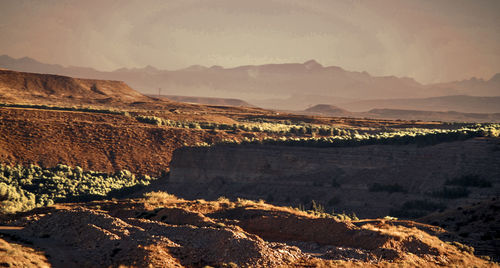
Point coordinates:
pixel 165 231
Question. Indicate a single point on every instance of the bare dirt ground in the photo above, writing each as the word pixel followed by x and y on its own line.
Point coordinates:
pixel 15 254
pixel 93 141
pixel 163 231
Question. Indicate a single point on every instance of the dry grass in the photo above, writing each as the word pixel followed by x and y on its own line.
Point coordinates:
pixel 159 198
pixel 14 255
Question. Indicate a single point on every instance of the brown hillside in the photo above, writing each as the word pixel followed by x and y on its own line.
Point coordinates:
pixel 93 141
pixel 21 87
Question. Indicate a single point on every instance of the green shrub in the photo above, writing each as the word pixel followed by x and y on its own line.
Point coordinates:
pixel 26 187
pixel 149 119
pixel 421 137
pixel 451 192
pixel 317 207
pixel 469 181
pixel 63 108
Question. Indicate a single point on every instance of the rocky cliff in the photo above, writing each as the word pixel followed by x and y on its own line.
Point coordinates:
pixel 373 181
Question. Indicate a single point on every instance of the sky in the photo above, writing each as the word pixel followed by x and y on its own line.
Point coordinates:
pixel 429 40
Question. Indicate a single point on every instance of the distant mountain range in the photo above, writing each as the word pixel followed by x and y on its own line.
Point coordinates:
pixel 449 116
pixel 474 86
pixel 20 87
pixel 462 103
pixel 292 86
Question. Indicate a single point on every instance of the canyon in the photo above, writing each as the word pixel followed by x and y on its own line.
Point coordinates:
pixel 372 180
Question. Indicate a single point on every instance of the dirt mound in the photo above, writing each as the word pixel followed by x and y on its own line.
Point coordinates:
pixel 21 87
pixel 102 240
pixel 162 230
pixel 379 240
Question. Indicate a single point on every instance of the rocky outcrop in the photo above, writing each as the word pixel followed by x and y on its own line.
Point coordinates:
pixel 104 241
pixel 370 180
pixel 163 231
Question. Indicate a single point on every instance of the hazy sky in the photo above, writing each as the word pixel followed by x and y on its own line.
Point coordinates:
pixel 430 40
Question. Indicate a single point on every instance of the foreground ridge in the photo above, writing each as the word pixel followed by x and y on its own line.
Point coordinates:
pixel 164 231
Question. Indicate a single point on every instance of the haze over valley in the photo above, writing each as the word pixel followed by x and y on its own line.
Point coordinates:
pixel 249 133
pixel 297 86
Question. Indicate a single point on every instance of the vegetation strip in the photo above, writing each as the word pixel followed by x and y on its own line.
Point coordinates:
pixel 62 108
pixel 24 188
pixel 418 136
pixel 293 134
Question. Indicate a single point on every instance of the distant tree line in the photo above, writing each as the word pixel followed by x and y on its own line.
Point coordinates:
pixel 265 127
pixel 64 108
pixel 420 137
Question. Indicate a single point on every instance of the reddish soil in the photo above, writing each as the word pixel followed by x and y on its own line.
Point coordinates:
pixel 19 86
pixel 18 255
pixel 92 141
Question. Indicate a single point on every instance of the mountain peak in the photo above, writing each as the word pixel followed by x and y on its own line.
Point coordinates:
pixel 149 68
pixel 28 60
pixel 495 78
pixel 216 67
pixel 4 56
pixel 312 64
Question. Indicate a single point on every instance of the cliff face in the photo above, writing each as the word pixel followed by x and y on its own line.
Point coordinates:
pixel 340 178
